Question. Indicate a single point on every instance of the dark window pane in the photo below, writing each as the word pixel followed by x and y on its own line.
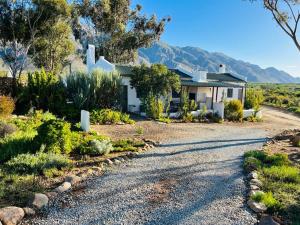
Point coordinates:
pixel 229 92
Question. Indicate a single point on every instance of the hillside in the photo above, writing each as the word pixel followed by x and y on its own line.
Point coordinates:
pixel 197 58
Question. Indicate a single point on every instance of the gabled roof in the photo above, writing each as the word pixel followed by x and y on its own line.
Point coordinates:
pixel 124 69
pixel 180 73
pixel 227 77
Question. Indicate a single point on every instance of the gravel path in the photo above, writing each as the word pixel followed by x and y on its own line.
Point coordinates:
pixel 193 181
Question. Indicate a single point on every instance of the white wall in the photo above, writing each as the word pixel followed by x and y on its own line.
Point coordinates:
pixel 132 98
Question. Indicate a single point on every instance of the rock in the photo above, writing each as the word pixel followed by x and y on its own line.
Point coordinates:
pixel 97 169
pixel 40 200
pixel 29 211
pixel 256 182
pixel 51 194
pixel 73 179
pixel 257 206
pixel 125 157
pixel 116 161
pixel 132 154
pixel 63 187
pixel 121 159
pixel 253 175
pixel 109 162
pixel 267 220
pixel 253 192
pixel 254 187
pixel 11 215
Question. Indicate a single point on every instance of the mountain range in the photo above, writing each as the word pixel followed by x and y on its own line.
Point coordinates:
pixel 198 59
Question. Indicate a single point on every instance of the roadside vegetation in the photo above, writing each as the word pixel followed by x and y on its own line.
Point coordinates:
pixel 281 183
pixel 284 96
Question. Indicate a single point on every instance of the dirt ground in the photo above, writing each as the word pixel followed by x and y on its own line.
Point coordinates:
pixel 274 122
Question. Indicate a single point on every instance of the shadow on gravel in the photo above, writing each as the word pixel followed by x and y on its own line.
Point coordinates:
pixel 241 143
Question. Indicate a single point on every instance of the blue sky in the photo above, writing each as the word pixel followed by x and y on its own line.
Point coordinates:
pixel 237 28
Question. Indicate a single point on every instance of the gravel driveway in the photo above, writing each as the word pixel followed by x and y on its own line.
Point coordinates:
pixel 197 180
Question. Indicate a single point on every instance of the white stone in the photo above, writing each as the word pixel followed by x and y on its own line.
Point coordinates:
pixel 254 187
pixel 256 182
pixel 253 175
pixel 257 206
pixel 40 200
pixel 85 120
pixel 64 187
pixel 29 211
pixel 11 215
pixel 73 179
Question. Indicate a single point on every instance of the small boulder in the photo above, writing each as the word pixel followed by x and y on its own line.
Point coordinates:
pixel 257 207
pixel 109 162
pixel 267 220
pixel 29 211
pixel 253 175
pixel 11 215
pixel 253 192
pixel 40 200
pixel 73 179
pixel 256 182
pixel 97 169
pixel 63 187
pixel 121 159
pixel 116 161
pixel 254 188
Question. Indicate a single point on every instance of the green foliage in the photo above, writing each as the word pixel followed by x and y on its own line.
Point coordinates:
pixel 36 163
pixel 96 147
pixel 96 90
pixel 296 141
pixel 268 199
pixel 157 81
pixel 254 98
pixel 6 129
pixel 188 118
pixel 127 145
pixel 261 155
pixel 43 91
pixel 139 130
pixel 52 172
pixel 56 135
pixel 54 46
pixel 234 110
pixel 202 113
pixel 154 107
pixel 165 120
pixel 283 173
pixel 122 27
pixel 7 106
pixel 108 116
pixel 251 163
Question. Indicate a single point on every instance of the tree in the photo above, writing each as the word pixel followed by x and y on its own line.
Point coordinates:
pixel 21 22
pixel 156 80
pixel 53 47
pixel 119 30
pixel 286 14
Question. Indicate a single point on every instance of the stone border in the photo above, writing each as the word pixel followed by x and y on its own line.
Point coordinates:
pixel 12 215
pixel 259 208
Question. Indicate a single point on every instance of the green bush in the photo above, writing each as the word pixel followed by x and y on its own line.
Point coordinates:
pixel 283 173
pixel 277 159
pixel 96 147
pixel 261 155
pixel 154 107
pixel 56 135
pixel 266 198
pixel 188 118
pixel 108 116
pixel 165 120
pixel 234 110
pixel 6 129
pixel 7 106
pixel 251 164
pixel 254 98
pixel 127 145
pixel 36 163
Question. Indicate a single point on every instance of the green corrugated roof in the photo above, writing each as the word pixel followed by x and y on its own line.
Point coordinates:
pixel 224 77
pixel 208 84
pixel 124 69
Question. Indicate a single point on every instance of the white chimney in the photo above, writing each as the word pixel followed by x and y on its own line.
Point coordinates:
pixel 222 68
pixel 90 57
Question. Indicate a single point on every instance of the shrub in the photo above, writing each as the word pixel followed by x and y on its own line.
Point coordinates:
pixel 127 145
pixel 261 155
pixel 188 118
pixel 154 107
pixel 6 129
pixel 202 113
pixel 254 98
pixel 283 173
pixel 56 135
pixel 252 163
pixel 108 116
pixel 192 105
pixel 234 110
pixel 277 159
pixel 96 147
pixel 139 130
pixel 165 120
pixel 296 141
pixel 266 198
pixel 36 163
pixel 7 106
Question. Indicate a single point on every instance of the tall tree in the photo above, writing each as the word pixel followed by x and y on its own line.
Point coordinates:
pixel 286 14
pixel 21 22
pixel 119 30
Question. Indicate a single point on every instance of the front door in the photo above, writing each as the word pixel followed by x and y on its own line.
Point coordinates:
pixel 124 98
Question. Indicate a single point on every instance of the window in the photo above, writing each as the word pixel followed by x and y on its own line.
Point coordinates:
pixel 192 96
pixel 175 94
pixel 229 93
pixel 138 95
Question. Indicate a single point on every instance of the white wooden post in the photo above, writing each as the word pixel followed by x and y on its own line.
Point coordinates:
pixel 85 120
